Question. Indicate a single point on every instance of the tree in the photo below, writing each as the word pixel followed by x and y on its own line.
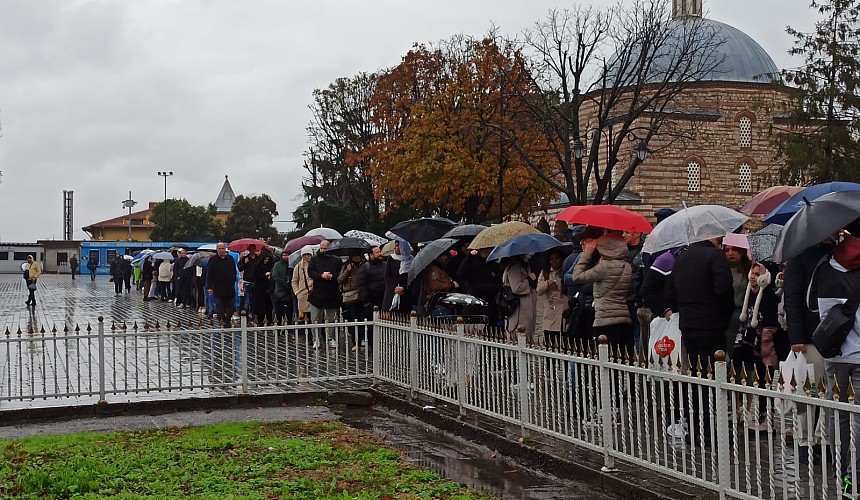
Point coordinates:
pixel 178 220
pixel 431 152
pixel 603 77
pixel 338 184
pixel 819 136
pixel 252 217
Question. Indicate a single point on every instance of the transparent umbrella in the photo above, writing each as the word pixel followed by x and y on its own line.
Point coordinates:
pixel 691 225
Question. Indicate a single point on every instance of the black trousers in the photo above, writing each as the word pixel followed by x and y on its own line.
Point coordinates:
pixel 117 284
pixel 224 308
pixel 701 346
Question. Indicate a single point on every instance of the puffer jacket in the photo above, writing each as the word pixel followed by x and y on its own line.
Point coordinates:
pixel 611 278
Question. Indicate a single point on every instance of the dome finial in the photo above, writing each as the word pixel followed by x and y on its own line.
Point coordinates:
pixel 686 8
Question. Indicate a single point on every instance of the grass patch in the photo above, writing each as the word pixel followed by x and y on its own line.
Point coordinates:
pixel 304 460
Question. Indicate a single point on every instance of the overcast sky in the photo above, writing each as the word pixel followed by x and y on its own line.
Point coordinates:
pixel 98 96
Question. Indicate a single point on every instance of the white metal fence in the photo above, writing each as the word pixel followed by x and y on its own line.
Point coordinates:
pixel 633 413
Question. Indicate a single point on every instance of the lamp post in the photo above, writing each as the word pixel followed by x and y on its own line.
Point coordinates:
pixel 128 204
pixel 641 150
pixel 165 175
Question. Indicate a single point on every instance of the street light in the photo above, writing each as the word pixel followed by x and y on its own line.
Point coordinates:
pixel 641 150
pixel 165 175
pixel 128 204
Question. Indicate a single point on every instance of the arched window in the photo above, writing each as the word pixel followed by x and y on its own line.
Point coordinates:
pixel 745 132
pixel 694 177
pixel 745 178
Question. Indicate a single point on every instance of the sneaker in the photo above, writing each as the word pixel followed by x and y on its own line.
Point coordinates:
pixel 332 343
pixel 316 344
pixel 847 490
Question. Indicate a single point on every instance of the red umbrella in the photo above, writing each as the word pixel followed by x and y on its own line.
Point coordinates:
pixel 768 199
pixel 606 216
pixel 241 245
pixel 297 243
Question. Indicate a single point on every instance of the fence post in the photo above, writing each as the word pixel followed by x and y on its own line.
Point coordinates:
pixel 522 379
pixel 374 343
pixel 413 354
pixel 606 403
pixel 721 399
pixel 460 369
pixel 101 332
pixel 243 350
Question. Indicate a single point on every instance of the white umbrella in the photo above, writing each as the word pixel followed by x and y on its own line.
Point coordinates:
pixel 691 225
pixel 208 246
pixel 162 256
pixel 371 238
pixel 326 232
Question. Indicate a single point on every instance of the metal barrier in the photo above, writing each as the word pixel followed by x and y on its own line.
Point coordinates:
pixel 712 426
pixel 632 411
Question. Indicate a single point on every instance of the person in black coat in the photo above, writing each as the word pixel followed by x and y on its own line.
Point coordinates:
pixel 371 288
pixel 181 278
pixel 221 283
pixel 146 276
pixel 264 286
pixel 701 287
pixel 116 272
pixel 325 297
pixel 483 280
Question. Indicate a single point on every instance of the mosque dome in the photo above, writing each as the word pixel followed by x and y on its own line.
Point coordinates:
pixel 743 59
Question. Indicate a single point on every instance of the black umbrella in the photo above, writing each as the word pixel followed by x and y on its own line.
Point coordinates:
pixel 425 229
pixel 815 221
pixel 428 254
pixel 465 231
pixel 345 247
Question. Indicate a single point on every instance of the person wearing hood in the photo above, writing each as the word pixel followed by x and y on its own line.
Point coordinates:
pixel 838 279
pixel 302 284
pixel 611 277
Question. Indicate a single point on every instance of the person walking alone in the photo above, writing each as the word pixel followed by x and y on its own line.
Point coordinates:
pixel 73 265
pixel 32 271
pixel 92 265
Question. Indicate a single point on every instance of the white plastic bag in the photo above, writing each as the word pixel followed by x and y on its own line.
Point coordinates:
pixel 795 364
pixel 664 342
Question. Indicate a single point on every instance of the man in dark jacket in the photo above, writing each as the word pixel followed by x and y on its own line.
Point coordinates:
pixel 371 288
pixel 325 298
pixel 181 278
pixel 483 280
pixel 248 268
pixel 282 295
pixel 116 272
pixel 221 283
pixel 73 265
pixel 802 321
pixel 701 287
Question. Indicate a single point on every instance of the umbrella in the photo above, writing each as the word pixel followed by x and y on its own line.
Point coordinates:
pixel 524 244
pixel 371 238
pixel 127 257
pixel 782 213
pixel 197 259
pixel 162 256
pixel 428 254
pixel 326 232
pixel 607 216
pixel 297 243
pixel 693 224
pixel 763 242
pixel 296 256
pixel 347 246
pixel 419 230
pixel 815 221
pixel 465 231
pixel 500 233
pixel 242 244
pixel 768 199
pixel 142 255
pixel 208 246
pixel 462 299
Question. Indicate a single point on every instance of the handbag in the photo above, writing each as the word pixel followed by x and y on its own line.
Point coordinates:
pixel 831 333
pixel 31 286
pixel 507 301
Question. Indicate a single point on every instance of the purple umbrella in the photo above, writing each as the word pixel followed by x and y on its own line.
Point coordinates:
pixel 297 243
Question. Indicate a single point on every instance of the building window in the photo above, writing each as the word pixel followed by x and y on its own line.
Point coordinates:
pixel 694 177
pixel 4 255
pixel 20 255
pixel 62 258
pixel 745 132
pixel 745 178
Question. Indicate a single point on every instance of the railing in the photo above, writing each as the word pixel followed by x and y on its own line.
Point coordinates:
pixel 634 413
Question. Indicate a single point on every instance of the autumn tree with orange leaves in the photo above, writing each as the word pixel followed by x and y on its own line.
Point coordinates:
pixel 433 151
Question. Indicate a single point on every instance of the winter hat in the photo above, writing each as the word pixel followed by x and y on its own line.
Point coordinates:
pixel 308 250
pixel 662 213
pixel 764 280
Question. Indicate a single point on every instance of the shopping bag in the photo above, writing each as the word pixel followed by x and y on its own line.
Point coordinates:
pixel 664 343
pixel 795 364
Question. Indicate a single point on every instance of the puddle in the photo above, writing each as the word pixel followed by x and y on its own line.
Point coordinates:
pixel 465 462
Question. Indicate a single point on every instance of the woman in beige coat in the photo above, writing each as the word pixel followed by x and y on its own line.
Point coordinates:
pixel 549 287
pixel 522 281
pixel 302 284
pixel 611 278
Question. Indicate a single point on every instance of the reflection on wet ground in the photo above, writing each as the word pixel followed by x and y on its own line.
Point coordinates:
pixel 463 461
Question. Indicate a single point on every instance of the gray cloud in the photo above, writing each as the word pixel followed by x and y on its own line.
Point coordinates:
pixel 97 96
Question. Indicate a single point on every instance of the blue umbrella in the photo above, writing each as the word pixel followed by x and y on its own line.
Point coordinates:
pixel 524 244
pixel 789 207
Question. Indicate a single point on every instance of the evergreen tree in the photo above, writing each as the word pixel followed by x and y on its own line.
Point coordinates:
pixel 819 135
pixel 178 220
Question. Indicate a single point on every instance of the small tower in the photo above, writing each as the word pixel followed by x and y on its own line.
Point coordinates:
pixel 686 8
pixel 224 201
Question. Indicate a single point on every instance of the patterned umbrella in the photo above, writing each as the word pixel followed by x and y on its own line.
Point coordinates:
pixel 763 242
pixel 494 236
pixel 768 199
pixel 371 238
